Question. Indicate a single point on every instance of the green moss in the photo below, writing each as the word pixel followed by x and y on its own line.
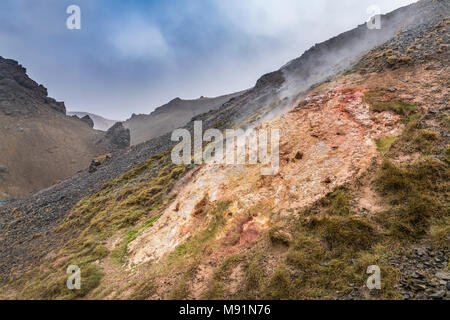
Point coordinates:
pixel 314 269
pixel 100 252
pixel 218 284
pixel 337 203
pixel 447 154
pixel 121 204
pixel 425 141
pixel 143 291
pixel 279 286
pixel 379 102
pixel 345 232
pixel 416 193
pixel 445 120
pixel 440 232
pixel 119 253
pixel 52 285
pixel 150 222
pixel 306 251
pixel 90 278
pixel 181 291
pixel 278 236
pixel 253 278
pixel 384 144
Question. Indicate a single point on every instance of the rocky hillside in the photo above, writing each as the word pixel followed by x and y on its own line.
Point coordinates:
pixel 99 122
pixel 363 180
pixel 171 116
pixel 39 144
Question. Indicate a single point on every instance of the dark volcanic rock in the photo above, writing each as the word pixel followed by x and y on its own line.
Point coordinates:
pixel 119 136
pixel 93 167
pixel 423 277
pixel 19 95
pixel 56 105
pixel 274 79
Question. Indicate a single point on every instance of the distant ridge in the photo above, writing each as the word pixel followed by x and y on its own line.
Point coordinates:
pixel 170 116
pixel 100 123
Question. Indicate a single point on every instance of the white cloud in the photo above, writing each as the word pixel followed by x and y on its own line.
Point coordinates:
pixel 261 17
pixel 139 39
pixel 274 18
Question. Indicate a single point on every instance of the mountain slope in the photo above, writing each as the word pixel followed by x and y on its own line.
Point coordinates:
pixel 364 180
pixel 171 116
pixel 38 152
pixel 100 123
pixel 39 144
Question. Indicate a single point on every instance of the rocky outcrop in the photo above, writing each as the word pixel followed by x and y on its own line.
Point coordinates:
pixel 20 95
pixel 118 136
pixel 275 79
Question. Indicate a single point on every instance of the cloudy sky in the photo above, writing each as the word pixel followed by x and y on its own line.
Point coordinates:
pixel 131 56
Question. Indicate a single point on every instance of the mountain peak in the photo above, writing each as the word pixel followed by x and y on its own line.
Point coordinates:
pixel 20 95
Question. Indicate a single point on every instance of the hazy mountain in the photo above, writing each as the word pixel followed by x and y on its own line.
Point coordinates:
pixel 100 123
pixel 170 116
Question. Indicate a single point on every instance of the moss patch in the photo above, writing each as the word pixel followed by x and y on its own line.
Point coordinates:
pixel 416 193
pixel 380 101
pixel 384 144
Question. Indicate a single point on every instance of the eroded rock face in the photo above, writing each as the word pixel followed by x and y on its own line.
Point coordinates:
pixel 119 136
pixel 88 120
pixel 20 95
pixel 275 79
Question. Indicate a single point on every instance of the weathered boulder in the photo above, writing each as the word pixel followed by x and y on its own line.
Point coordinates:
pixel 93 166
pixel 3 171
pixel 118 136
